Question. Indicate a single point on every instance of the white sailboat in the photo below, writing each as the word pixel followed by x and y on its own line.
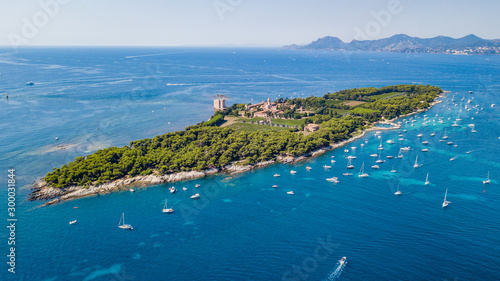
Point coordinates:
pixel 445 202
pixel 445 137
pixel 379 160
pixel 195 196
pixel 427 179
pixel 380 146
pixel 487 181
pixel 122 224
pixel 393 170
pixel 416 163
pixel 166 209
pixel 362 174
pixel 398 192
pixel 349 164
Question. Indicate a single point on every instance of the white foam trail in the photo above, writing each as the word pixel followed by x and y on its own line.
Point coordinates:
pixel 336 273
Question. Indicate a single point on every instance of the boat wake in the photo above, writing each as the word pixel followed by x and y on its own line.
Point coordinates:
pixel 335 274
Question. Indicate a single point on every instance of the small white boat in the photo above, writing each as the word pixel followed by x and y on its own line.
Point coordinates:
pixel 445 137
pixel 122 224
pixel 72 222
pixel 487 181
pixel 425 150
pixel 405 148
pixel 362 174
pixel 380 148
pixel 275 186
pixel 379 161
pixel 290 192
pixel 425 142
pixel 351 157
pixel 390 141
pixel 197 185
pixel 398 192
pixel 393 170
pixel 433 134
pixel 349 164
pixel 293 172
pixel 375 167
pixel 427 179
pixel 332 161
pixel 416 165
pixel 184 188
pixel 333 179
pixel 420 135
pixel 276 175
pixel 353 148
pixel 166 209
pixel 172 189
pixel 389 157
pixel 326 166
pixel 346 150
pixel 450 143
pixel 342 260
pixel 30 83
pixel 374 155
pixel 347 174
pixel 132 190
pixel 308 168
pixel 445 202
pixel 195 196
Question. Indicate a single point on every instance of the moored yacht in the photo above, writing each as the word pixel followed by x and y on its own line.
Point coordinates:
pixel 362 174
pixel 122 224
pixel 333 179
pixel 446 202
pixel 487 181
pixel 398 192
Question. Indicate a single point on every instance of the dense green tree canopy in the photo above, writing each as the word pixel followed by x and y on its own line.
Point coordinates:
pixel 206 145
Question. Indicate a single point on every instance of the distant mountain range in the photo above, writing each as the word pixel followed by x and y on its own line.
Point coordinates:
pixel 402 43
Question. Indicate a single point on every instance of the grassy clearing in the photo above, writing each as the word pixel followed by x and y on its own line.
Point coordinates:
pixel 354 103
pixel 289 122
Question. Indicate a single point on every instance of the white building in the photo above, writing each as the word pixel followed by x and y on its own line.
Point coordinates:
pixel 219 104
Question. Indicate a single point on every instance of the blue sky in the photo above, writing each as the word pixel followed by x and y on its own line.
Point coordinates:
pixel 238 22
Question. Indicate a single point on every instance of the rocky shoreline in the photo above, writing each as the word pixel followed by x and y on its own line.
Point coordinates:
pixel 41 191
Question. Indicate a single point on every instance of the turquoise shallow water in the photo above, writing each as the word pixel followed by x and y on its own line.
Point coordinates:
pixel 242 228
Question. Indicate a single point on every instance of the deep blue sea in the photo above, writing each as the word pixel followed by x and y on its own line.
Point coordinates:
pixel 242 228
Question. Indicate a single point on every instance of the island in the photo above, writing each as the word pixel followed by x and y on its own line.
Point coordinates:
pixel 402 43
pixel 237 138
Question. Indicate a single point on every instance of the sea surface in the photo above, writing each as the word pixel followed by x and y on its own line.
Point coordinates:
pixel 242 228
